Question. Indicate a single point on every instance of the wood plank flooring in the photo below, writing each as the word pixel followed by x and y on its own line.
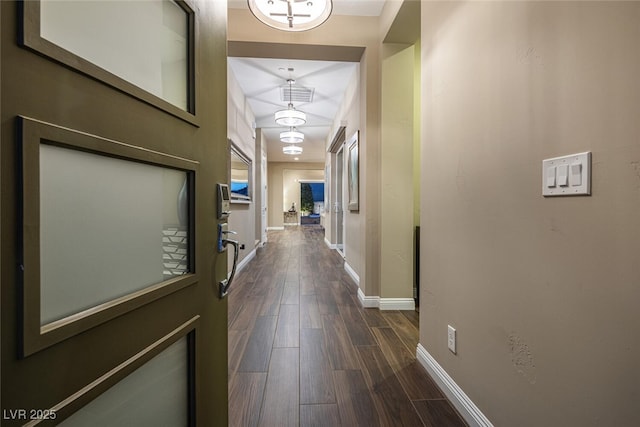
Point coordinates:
pixel 302 352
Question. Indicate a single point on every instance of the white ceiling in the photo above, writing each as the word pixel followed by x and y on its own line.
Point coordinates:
pixel 261 78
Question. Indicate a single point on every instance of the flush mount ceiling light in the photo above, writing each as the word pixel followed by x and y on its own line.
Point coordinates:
pixel 290 117
pixel 291 136
pixel 291 15
pixel 292 150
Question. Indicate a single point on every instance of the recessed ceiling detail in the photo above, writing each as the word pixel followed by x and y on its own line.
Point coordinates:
pixel 291 15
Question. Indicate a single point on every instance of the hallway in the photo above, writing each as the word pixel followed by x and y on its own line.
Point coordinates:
pixel 303 352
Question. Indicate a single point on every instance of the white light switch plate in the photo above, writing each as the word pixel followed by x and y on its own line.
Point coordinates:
pixel 572 175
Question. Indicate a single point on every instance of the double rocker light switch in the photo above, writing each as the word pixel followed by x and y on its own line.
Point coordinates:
pixel 567 175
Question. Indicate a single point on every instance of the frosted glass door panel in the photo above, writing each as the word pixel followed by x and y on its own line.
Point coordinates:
pixel 142 42
pixel 156 394
pixel 108 227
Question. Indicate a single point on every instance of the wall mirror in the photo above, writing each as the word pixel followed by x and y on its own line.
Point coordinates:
pixel 241 176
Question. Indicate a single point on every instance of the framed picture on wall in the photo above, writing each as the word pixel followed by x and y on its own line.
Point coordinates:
pixel 241 176
pixel 353 173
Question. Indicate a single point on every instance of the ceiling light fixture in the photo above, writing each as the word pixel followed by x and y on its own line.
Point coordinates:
pixel 290 117
pixel 292 150
pixel 291 15
pixel 291 136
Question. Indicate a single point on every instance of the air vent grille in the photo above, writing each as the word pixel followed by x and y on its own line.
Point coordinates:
pixel 298 93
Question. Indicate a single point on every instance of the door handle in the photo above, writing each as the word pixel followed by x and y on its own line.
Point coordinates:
pixel 222 233
pixel 225 284
pixel 223 242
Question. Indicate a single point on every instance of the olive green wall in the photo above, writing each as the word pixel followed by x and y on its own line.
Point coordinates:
pixel 397 174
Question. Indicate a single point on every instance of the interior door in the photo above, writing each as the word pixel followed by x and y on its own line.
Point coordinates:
pixel 263 207
pixel 339 201
pixel 113 138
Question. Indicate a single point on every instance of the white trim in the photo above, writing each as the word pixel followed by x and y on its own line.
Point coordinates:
pixel 469 411
pixel 368 302
pixel 242 264
pixel 329 244
pixel 352 273
pixel 397 304
pixel 275 228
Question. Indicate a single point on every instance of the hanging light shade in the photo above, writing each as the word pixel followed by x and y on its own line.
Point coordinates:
pixel 292 149
pixel 291 136
pixel 291 15
pixel 290 117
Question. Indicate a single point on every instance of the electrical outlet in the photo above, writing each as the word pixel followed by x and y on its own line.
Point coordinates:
pixel 451 339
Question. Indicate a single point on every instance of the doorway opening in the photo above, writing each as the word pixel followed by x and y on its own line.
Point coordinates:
pixel 311 202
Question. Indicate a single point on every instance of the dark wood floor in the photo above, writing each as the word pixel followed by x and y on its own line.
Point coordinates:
pixel 303 353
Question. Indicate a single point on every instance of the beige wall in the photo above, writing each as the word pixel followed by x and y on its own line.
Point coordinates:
pixel 543 292
pixel 397 194
pixel 285 177
pixel 239 129
pixel 349 116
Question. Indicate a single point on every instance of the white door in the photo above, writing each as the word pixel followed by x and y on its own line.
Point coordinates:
pixel 338 211
pixel 263 208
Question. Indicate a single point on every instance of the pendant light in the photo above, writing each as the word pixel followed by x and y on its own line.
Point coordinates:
pixel 291 136
pixel 290 117
pixel 291 15
pixel 292 149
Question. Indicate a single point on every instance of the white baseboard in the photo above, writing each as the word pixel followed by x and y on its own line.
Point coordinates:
pixel 368 302
pixel 275 228
pixel 467 409
pixel 329 244
pixel 242 264
pixel 397 304
pixel 352 273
